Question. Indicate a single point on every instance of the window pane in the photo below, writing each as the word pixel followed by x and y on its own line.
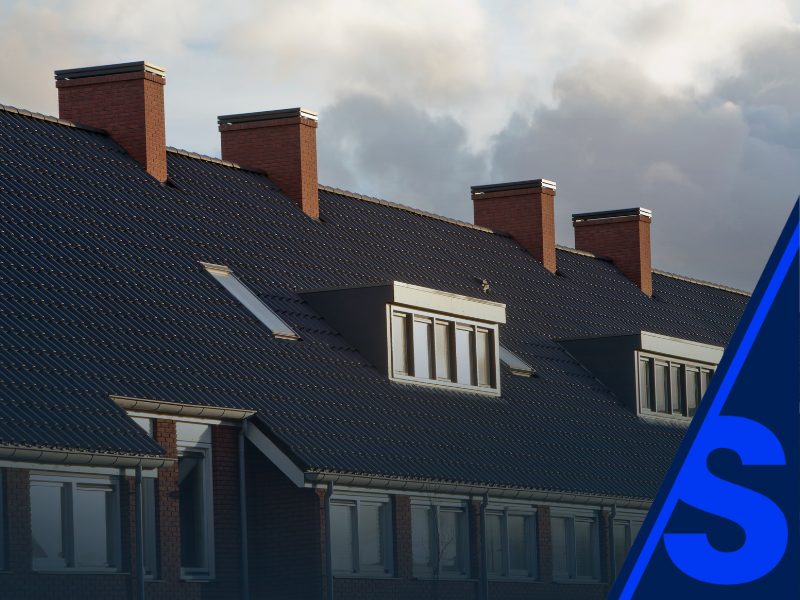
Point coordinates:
pixel 465 370
pixel 443 354
pixel 518 544
pixel 676 388
pixel 420 537
pixel 692 391
pixel 399 344
pixel 559 531
pixel 620 544
pixel 149 525
pixel 662 389
pixel 192 511
pixel 90 510
pixel 484 358
pixel 48 550
pixel 646 384
pixel 635 526
pixel 371 532
pixel 494 543
pixel 584 548
pixel 705 379
pixel 423 349
pixel 342 538
pixel 449 542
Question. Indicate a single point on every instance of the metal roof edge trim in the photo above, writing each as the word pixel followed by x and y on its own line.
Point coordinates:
pixel 701 282
pixel 50 119
pixel 637 211
pixel 141 66
pixel 415 211
pixel 93 459
pixel 268 115
pixel 476 490
pixel 585 253
pixel 217 161
pixel 184 410
pixel 513 185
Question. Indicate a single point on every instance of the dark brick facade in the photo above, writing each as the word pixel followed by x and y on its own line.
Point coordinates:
pixel 285 148
pixel 625 240
pixel 526 214
pixel 129 106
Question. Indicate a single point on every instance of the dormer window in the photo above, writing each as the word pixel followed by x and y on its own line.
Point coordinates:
pixel 417 335
pixel 669 387
pixel 435 349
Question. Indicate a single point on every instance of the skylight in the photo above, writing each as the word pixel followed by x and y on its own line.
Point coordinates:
pixel 260 310
pixel 516 364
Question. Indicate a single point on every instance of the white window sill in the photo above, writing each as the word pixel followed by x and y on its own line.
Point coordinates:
pixel 363 576
pixel 496 578
pixel 197 579
pixel 444 578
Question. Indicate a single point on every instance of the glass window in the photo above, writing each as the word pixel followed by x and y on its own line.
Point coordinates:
pixel 191 489
pixel 2 522
pixel 450 542
pixel 519 545
pixel 444 365
pixel 576 551
pixel 494 543
pixel 676 389
pixel 662 388
pixel 250 301
pixel 371 534
pixel 692 391
pixel 421 539
pixel 74 523
pixel 399 344
pixel 342 538
pixel 484 357
pixel 423 348
pixel 465 364
pixel 705 379
pixel 646 383
pixel 621 544
pixel 149 526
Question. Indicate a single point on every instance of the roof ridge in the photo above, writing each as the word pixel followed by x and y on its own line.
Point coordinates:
pixel 415 211
pixel 701 282
pixel 50 119
pixel 217 161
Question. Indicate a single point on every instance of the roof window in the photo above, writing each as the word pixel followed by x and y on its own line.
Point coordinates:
pixel 259 310
pixel 515 363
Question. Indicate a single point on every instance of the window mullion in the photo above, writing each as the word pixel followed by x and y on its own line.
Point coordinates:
pixel 410 344
pixel 356 538
pixel 573 554
pixel 67 512
pixel 506 556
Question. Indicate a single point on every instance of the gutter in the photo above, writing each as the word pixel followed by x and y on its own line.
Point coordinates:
pixel 93 459
pixel 183 410
pixel 408 485
pixel 328 544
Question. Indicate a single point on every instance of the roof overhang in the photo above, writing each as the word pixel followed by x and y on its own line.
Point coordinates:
pixel 159 407
pixel 89 459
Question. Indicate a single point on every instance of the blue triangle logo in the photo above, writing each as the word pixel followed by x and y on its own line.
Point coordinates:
pixel 726 519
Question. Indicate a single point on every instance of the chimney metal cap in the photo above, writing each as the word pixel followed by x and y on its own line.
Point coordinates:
pixel 610 214
pixel 514 185
pixel 132 67
pixel 286 113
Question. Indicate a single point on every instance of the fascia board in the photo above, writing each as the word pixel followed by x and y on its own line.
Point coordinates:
pixel 275 455
pixel 681 349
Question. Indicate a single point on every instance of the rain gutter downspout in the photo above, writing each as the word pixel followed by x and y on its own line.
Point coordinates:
pixel 484 550
pixel 613 574
pixel 139 534
pixel 328 557
pixel 243 514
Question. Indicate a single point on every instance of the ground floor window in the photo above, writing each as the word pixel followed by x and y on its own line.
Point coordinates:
pixel 511 542
pixel 439 540
pixel 75 523
pixel 576 548
pixel 625 531
pixel 361 536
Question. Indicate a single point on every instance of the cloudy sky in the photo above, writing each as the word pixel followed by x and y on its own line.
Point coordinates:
pixel 688 107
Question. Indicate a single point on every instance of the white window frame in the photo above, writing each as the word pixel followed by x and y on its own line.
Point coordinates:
pixel 572 516
pixel 504 512
pixel 2 520
pixel 494 359
pixel 628 520
pixel 685 366
pixel 236 288
pixel 184 447
pixel 69 484
pixel 149 527
pixel 386 548
pixel 436 507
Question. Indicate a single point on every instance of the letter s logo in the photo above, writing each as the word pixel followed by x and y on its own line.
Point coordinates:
pixel 766 531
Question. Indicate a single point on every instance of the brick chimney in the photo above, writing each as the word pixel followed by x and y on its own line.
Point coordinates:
pixel 525 210
pixel 281 142
pixel 127 100
pixel 623 236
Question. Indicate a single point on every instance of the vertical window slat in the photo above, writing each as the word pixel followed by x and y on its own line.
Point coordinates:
pixel 399 344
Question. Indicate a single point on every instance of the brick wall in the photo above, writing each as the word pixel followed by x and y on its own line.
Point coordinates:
pixel 129 106
pixel 526 214
pixel 285 148
pixel 626 240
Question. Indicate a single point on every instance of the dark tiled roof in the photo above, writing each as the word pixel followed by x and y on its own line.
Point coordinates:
pixel 103 294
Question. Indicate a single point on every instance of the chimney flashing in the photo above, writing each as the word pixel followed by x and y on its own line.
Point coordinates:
pixel 269 115
pixel 513 185
pixel 610 214
pixel 141 66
